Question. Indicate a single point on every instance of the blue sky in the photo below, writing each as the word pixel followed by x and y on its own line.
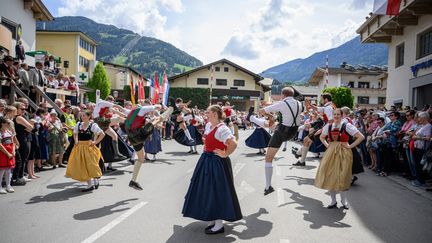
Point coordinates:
pixel 256 34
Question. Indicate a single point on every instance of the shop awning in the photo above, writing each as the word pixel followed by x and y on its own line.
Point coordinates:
pixel 34 53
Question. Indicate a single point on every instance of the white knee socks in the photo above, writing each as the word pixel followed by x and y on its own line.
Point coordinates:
pixel 304 151
pixel 333 197
pixel 136 169
pixel 268 174
pixel 344 198
pixel 218 225
pixel 187 133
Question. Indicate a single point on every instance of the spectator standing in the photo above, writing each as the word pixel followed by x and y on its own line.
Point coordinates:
pixel 390 156
pixel 421 139
pixel 20 51
pixel 24 78
pixel 37 78
pixel 71 85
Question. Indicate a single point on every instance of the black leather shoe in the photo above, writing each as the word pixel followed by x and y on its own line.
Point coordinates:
pixel 190 151
pixel 96 186
pixel 332 206
pixel 346 207
pixel 300 163
pixel 111 169
pixel 194 152
pixel 209 227
pixel 353 180
pixel 268 191
pixel 211 232
pixel 89 189
pixel 135 185
pixel 284 149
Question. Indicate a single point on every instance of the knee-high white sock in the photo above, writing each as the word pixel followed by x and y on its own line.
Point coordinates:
pixel 304 151
pixel 136 170
pixel 2 172
pixel 285 144
pixel 218 225
pixel 259 121
pixel 7 177
pixel 344 198
pixel 187 133
pixel 89 183
pixel 333 197
pixel 195 148
pixel 268 174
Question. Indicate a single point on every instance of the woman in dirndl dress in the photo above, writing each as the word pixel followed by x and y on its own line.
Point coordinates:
pixel 83 164
pixel 153 145
pixel 259 139
pixel 335 170
pixel 211 195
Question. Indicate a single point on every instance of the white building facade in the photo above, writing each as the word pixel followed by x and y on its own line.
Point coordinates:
pixel 409 38
pixel 18 22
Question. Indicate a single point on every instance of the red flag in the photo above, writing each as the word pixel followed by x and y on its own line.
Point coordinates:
pixel 140 88
pixel 164 80
pixel 387 7
pixel 156 89
pixel 132 84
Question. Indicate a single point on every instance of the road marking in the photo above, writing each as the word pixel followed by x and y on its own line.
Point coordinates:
pixel 278 170
pixel 113 223
pixel 237 168
pixel 280 197
pixel 284 241
pixel 190 170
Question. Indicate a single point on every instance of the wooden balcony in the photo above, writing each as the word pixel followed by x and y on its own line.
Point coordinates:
pixel 368 92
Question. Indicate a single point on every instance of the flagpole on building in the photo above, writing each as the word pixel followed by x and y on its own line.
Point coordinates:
pixel 327 73
pixel 211 84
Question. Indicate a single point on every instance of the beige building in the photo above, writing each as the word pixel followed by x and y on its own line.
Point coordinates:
pixel 367 86
pixel 409 38
pixel 120 75
pixel 74 47
pixel 231 82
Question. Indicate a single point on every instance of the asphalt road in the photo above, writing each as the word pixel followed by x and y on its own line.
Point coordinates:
pixel 53 208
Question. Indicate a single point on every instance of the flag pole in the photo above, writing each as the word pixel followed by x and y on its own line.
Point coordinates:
pixel 211 84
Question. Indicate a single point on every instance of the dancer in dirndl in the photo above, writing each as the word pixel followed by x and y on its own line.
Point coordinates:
pixel 83 163
pixel 259 139
pixel 153 145
pixel 211 195
pixel 335 170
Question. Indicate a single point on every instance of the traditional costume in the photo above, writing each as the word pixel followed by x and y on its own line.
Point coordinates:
pixel 211 194
pixel 259 139
pixel 83 163
pixel 335 170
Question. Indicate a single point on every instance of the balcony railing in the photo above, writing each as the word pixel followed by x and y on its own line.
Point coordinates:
pixel 368 91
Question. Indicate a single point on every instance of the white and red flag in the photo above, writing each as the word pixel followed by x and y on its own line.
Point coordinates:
pixel 386 7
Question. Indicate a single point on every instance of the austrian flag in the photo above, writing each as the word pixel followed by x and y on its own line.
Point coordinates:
pixel 387 7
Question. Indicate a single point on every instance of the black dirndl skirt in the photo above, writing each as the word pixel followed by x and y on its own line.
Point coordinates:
pixel 139 135
pixel 107 149
pixel 357 166
pixel 153 145
pixel 181 138
pixel 259 139
pixel 211 194
pixel 317 146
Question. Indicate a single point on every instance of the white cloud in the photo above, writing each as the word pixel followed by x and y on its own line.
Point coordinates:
pixel 347 33
pixel 143 17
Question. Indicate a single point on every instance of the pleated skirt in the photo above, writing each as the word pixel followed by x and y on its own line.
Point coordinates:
pixel 153 145
pixel 259 139
pixel 211 194
pixel 83 163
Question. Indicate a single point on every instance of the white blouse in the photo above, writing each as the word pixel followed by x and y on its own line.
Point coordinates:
pixel 222 134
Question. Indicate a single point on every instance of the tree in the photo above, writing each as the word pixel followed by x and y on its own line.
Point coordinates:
pixel 99 81
pixel 341 96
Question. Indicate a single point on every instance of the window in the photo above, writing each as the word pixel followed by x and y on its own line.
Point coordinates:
pixel 222 82
pixel 10 25
pixel 363 100
pixel 203 81
pixel 84 62
pixel 226 69
pixel 351 84
pixel 86 46
pixel 424 44
pixel 363 85
pixel 238 82
pixel 217 69
pixel 381 100
pixel 400 50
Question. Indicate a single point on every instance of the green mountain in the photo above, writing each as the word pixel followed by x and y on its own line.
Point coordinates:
pixel 121 46
pixel 352 52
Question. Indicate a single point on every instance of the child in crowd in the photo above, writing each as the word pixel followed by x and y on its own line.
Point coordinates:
pixel 7 154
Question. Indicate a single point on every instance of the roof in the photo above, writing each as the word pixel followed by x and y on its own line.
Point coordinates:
pixel 319 72
pixel 306 90
pixel 266 81
pixel 39 9
pixel 75 32
pixel 123 66
pixel 256 77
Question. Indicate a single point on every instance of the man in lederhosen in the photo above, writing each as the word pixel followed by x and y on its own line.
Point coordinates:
pixel 290 110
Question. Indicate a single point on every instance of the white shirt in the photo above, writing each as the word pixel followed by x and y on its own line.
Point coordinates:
pixel 327 109
pixel 282 107
pixel 424 131
pixel 222 134
pixel 99 105
pixel 146 109
pixel 349 128
pixel 94 128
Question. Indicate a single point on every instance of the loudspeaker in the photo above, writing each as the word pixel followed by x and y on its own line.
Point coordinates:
pixel 66 64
